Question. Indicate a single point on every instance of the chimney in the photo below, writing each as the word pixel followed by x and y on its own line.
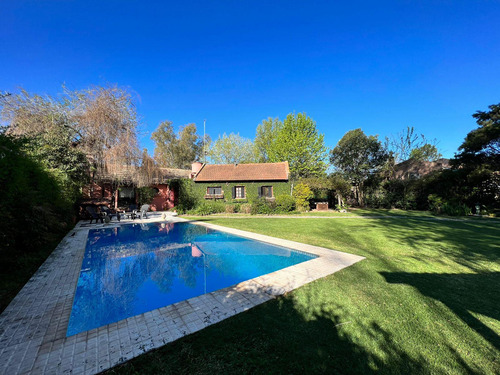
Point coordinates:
pixel 195 168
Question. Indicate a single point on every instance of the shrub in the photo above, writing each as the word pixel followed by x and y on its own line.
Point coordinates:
pixel 34 209
pixel 456 209
pixel 186 198
pixel 435 203
pixel 209 208
pixel 230 208
pixel 262 206
pixel 285 203
pixel 302 194
pixel 145 195
pixel 246 208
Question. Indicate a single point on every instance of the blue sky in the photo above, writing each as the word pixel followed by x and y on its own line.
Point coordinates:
pixel 377 65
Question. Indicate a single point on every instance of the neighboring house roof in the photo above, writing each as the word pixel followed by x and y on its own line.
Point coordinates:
pixel 415 169
pixel 243 172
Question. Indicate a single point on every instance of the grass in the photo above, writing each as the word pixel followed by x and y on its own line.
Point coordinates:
pixel 425 301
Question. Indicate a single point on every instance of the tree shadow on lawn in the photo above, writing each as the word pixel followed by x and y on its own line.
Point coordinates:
pixel 277 338
pixel 469 243
pixel 461 293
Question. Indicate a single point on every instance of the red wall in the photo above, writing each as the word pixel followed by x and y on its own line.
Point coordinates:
pixel 98 191
pixel 164 200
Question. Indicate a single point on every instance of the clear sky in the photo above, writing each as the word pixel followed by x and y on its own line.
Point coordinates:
pixel 377 65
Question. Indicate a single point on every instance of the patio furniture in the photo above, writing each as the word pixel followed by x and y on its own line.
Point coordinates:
pixel 94 215
pixel 142 213
pixel 108 212
pixel 131 212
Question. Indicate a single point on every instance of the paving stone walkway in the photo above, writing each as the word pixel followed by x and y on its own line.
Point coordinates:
pixel 33 327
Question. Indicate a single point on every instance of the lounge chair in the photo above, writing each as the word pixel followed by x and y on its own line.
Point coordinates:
pixel 110 213
pixel 93 214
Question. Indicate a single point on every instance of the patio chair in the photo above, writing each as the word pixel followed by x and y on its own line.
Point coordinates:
pixel 142 213
pixel 131 211
pixel 106 210
pixel 94 215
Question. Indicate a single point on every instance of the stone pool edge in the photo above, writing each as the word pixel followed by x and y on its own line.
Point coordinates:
pixel 33 326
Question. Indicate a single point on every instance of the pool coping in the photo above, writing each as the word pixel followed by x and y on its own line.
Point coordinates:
pixel 33 327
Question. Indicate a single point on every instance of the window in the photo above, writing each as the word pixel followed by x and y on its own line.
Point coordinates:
pixel 217 190
pixel 238 192
pixel 126 192
pixel 266 191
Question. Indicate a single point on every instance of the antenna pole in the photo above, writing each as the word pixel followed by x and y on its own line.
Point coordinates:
pixel 204 153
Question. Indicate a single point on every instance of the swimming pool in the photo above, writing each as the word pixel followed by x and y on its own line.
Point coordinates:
pixel 136 268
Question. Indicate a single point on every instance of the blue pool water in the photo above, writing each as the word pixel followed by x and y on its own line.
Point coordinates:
pixel 136 268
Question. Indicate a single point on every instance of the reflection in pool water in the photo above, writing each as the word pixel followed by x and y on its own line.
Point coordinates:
pixel 136 268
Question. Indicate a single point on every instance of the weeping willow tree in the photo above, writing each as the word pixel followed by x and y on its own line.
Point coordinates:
pixel 99 122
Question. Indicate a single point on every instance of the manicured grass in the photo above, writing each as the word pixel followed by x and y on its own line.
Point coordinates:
pixel 368 212
pixel 426 300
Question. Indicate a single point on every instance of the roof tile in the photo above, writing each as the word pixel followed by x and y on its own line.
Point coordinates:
pixel 243 172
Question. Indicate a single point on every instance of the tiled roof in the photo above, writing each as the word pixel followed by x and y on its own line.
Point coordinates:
pixel 243 172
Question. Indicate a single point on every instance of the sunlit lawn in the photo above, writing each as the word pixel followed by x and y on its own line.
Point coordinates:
pixel 426 300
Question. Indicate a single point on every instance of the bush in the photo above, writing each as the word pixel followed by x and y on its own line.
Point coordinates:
pixel 145 195
pixel 456 209
pixel 209 208
pixel 302 194
pixel 246 208
pixel 34 209
pixel 262 206
pixel 285 203
pixel 230 208
pixel 186 198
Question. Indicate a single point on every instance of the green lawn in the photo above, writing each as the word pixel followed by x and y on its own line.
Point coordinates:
pixel 426 300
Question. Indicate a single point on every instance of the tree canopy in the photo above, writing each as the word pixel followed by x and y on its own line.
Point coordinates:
pixel 426 152
pixel 410 145
pixel 295 140
pixel 232 149
pixel 177 150
pixel 357 156
pixel 101 122
pixel 264 138
pixel 483 143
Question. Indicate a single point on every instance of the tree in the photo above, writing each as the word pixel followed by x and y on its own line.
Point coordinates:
pixel 177 150
pixel 341 186
pixel 232 149
pixel 265 137
pixel 106 122
pixel 426 152
pixel 302 194
pixel 298 142
pixel 149 173
pixel 478 162
pixel 357 156
pixel 483 144
pixel 101 122
pixel 408 143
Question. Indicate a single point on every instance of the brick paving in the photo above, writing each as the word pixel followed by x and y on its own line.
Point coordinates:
pixel 33 327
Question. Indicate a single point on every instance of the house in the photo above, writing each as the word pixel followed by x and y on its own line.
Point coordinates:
pixel 104 192
pixel 413 169
pixel 241 182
